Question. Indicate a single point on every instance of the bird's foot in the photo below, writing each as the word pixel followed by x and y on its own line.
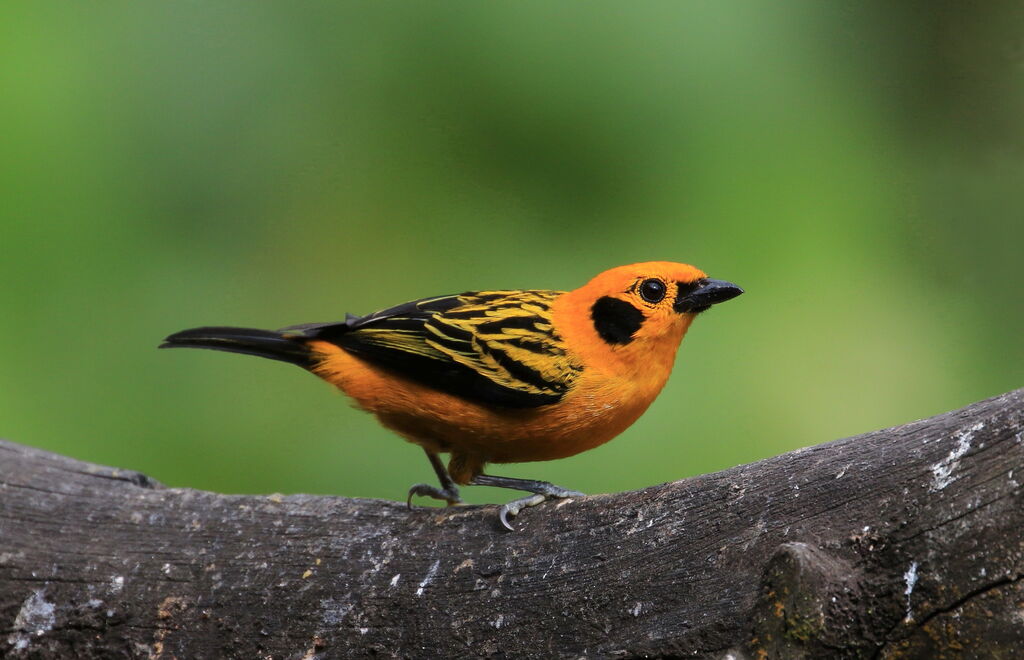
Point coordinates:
pixel 542 490
pixel 449 495
pixel 515 506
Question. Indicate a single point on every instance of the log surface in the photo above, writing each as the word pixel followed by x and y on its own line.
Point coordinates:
pixel 906 542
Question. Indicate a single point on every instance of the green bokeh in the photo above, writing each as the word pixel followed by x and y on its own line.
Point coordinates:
pixel 857 167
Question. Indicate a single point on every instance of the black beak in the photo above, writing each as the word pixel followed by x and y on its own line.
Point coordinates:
pixel 695 297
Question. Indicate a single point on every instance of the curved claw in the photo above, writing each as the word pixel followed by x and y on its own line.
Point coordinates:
pixel 515 506
pixel 450 496
pixel 413 490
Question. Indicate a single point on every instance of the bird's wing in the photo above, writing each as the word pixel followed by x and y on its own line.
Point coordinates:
pixel 494 347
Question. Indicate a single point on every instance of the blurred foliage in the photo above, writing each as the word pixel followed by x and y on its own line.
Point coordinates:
pixel 857 167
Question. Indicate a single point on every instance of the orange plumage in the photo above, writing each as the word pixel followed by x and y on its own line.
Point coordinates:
pixel 501 376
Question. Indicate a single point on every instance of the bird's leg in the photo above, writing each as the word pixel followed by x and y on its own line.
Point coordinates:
pixel 542 490
pixel 448 491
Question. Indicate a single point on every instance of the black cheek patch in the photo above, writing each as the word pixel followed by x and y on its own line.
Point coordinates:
pixel 616 320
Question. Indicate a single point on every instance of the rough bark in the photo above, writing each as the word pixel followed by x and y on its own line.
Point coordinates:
pixel 905 542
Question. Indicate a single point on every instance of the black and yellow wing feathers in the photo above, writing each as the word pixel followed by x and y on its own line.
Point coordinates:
pixel 494 347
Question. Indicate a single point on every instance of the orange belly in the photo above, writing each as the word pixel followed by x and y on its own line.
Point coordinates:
pixel 596 410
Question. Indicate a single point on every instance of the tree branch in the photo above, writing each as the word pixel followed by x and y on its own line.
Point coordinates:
pixel 901 542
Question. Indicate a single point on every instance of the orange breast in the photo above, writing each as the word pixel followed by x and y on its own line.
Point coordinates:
pixel 600 407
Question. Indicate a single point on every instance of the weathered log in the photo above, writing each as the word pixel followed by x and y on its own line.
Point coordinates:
pixel 907 542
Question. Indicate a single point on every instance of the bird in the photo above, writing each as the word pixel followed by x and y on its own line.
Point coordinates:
pixel 500 376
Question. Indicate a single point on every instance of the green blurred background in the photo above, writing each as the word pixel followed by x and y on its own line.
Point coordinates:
pixel 857 167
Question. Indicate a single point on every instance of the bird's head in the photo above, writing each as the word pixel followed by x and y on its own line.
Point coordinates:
pixel 632 306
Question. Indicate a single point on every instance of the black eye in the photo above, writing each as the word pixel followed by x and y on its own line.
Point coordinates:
pixel 653 291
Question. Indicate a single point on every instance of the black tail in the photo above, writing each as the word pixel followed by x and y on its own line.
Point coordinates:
pixel 264 343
